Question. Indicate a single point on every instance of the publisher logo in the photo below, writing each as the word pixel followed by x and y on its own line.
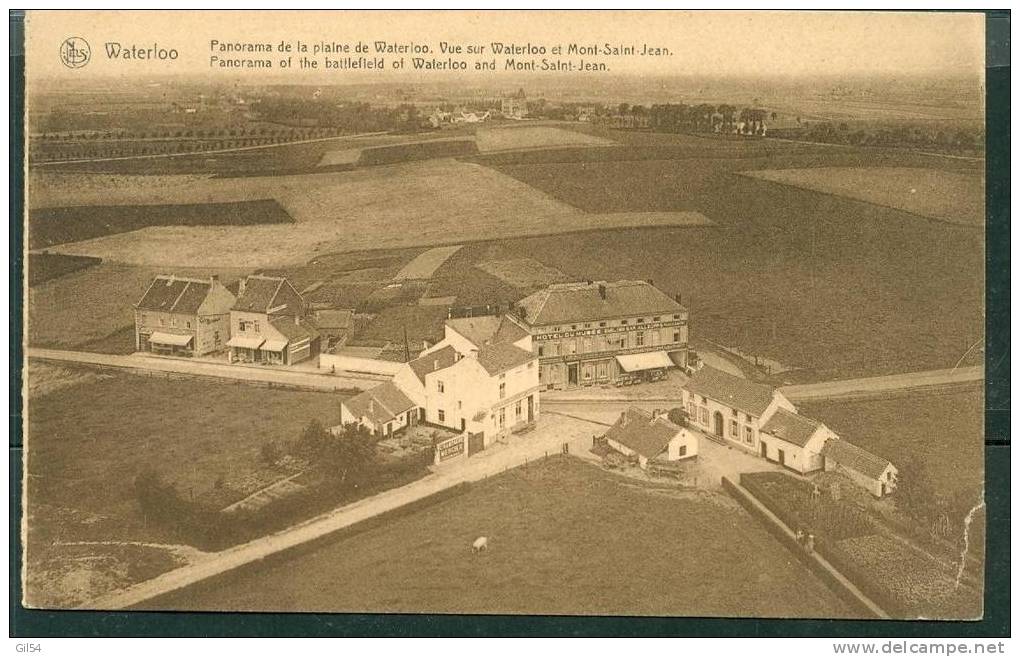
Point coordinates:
pixel 75 52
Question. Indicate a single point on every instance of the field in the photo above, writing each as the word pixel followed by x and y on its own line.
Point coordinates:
pixel 522 137
pixel 943 195
pixel 565 537
pixel 86 443
pixel 44 267
pixel 426 263
pixel 428 203
pixel 51 226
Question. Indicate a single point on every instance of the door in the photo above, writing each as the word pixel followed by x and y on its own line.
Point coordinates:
pixel 782 458
pixel 531 408
pixel 463 424
pixel 764 451
pixel 717 421
pixel 572 374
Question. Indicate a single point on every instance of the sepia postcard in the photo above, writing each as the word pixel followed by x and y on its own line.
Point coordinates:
pixel 614 313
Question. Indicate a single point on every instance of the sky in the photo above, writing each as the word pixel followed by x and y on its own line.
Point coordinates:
pixel 725 43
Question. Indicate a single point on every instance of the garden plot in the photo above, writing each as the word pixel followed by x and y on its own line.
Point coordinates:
pixel 342 156
pixel 522 272
pixel 944 195
pixel 521 137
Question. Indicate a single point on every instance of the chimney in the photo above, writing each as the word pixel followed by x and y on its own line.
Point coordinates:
pixel 602 291
pixel 623 418
pixel 678 298
pixel 435 365
pixel 240 286
pixel 651 282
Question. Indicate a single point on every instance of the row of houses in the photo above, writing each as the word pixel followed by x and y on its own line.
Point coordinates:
pixel 759 419
pixel 260 319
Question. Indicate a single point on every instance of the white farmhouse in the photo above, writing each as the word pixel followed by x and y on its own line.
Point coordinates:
pixel 732 409
pixel 481 379
pixel 873 473
pixel 794 441
pixel 651 437
pixel 383 410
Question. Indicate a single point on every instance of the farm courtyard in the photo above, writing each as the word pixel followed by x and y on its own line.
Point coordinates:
pixel 565 537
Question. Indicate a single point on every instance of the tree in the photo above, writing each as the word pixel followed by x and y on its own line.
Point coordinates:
pixel 350 454
pixel 677 416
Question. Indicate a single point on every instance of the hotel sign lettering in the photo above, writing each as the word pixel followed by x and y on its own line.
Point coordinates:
pixel 608 330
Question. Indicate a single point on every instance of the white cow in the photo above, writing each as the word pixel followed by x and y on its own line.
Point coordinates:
pixel 481 543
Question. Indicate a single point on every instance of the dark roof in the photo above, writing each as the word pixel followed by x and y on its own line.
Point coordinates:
pixel 497 358
pixel 851 456
pixel 741 394
pixel 584 302
pixel 293 331
pixel 397 352
pixel 433 362
pixel 381 404
pixel 639 430
pixel 487 329
pixel 333 319
pixel 791 427
pixel 259 292
pixel 173 294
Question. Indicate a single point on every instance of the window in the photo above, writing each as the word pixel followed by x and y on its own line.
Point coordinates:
pixel 389 429
pixel 734 430
pixel 733 411
pixel 676 336
pixel 704 415
pixel 692 410
pixel 602 369
pixel 747 418
pixel 704 400
pixel 541 350
pixel 602 323
pixel 216 337
pixel 189 324
pixel 623 321
pixel 502 418
pixel 676 316
pixel 573 327
pixel 502 390
pixel 586 345
pixel 748 437
pixel 655 319
pixel 640 336
pixel 573 347
pixel 441 386
pixel 517 410
pixel 460 404
pixel 162 321
pixel 682 451
pixel 442 415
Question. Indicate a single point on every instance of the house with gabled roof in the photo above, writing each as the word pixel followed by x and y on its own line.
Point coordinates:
pixel 268 323
pixel 731 409
pixel 651 437
pixel 383 410
pixel 794 440
pixel 478 380
pixel 180 316
pixel 875 474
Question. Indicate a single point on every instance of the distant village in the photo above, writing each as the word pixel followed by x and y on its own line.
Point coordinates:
pixel 483 381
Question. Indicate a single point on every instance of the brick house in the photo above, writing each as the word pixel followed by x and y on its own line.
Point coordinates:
pixel 183 316
pixel 268 324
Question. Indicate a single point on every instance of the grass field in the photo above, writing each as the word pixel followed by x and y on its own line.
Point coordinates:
pixel 52 226
pixel 44 267
pixel 565 537
pixel 86 443
pixel 525 136
pixel 943 195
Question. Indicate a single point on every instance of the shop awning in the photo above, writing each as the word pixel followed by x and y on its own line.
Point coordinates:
pixel 172 339
pixel 245 342
pixel 651 360
pixel 274 345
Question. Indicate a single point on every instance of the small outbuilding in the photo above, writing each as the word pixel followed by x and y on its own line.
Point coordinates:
pixel 651 436
pixel 873 473
pixel 383 410
pixel 794 441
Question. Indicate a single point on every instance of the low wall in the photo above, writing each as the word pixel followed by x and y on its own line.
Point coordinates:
pixel 835 580
pixel 331 362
